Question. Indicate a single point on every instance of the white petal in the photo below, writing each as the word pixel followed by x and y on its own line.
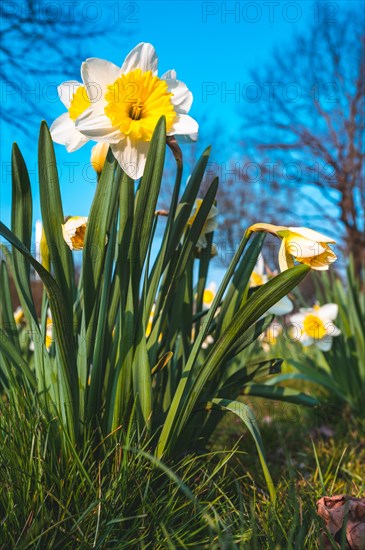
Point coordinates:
pixel 324 344
pixel 185 126
pixel 131 156
pixel 328 311
pixel 297 319
pixel 74 222
pixel 260 265
pixel 63 131
pixel 285 259
pixel 212 287
pixel 182 98
pixel 311 235
pixel 210 226
pixel 283 307
pixel 300 247
pixel 67 90
pixel 97 74
pixel 305 340
pixel 332 330
pixel 321 267
pixel 169 75
pixel 97 126
pixel 143 56
pixel 213 212
pixel 202 241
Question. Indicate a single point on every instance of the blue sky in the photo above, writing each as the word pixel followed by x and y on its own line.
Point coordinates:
pixel 212 45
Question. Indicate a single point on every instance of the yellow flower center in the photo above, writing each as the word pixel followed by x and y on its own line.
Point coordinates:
pixel 208 296
pixel 256 279
pixel 79 103
pixel 136 101
pixel 314 327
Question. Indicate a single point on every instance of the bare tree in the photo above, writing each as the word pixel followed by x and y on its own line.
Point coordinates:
pixel 42 41
pixel 307 128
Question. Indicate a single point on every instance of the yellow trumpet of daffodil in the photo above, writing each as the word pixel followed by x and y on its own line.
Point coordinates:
pixel 98 156
pixel 302 244
pixel 74 232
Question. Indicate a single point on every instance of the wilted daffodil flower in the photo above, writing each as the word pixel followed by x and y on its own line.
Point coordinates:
pixel 302 244
pixel 210 223
pixel 98 155
pixel 270 336
pixel 315 326
pixel 74 232
pixel 260 277
pixel 123 105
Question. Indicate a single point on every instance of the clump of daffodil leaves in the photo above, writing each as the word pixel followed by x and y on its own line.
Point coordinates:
pixel 133 338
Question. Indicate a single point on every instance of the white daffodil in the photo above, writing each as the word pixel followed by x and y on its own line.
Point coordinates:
pixel 209 294
pixel 63 130
pixel 302 244
pixel 260 277
pixel 74 232
pixel 126 103
pixel 210 223
pixel 98 156
pixel 270 336
pixel 315 326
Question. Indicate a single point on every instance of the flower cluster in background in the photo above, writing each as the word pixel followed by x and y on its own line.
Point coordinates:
pixel 314 326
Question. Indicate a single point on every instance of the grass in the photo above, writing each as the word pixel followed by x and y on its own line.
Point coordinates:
pixel 125 499
pixel 122 498
pixel 310 454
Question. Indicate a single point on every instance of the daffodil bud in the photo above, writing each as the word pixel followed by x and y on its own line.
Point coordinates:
pixel 98 156
pixel 19 316
pixel 44 250
pixel 210 223
pixel 74 232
